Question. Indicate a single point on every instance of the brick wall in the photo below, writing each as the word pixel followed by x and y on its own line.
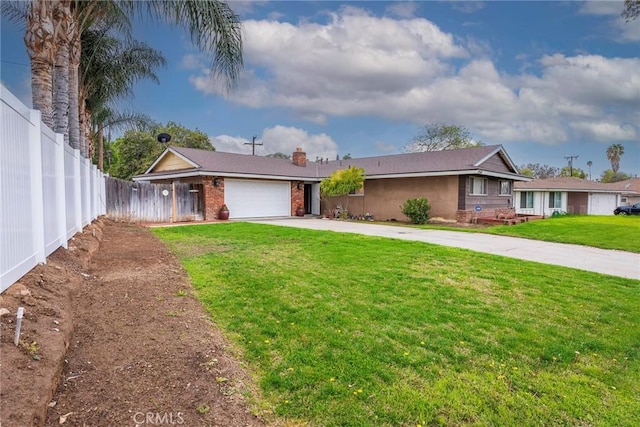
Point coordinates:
pixel 297 196
pixel 213 197
pixel 467 216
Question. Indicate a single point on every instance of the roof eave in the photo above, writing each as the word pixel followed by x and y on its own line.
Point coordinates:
pixel 499 149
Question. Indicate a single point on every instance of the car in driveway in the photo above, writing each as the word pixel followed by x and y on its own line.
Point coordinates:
pixel 628 210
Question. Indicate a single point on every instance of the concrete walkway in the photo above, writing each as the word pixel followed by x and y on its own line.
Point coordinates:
pixel 611 262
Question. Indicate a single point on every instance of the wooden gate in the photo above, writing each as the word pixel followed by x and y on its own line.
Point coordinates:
pixel 145 202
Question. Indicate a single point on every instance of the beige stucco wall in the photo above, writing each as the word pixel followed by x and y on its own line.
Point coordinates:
pixel 383 198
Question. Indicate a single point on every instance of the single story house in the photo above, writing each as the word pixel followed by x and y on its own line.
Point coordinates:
pixel 630 191
pixel 459 184
pixel 565 194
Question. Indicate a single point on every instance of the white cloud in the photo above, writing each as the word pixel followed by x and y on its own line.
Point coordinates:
pixel 192 61
pixel 409 70
pixel 600 8
pixel 287 139
pixel 606 130
pixel 627 31
pixel 281 139
pixel 621 31
pixel 234 144
pixel 403 9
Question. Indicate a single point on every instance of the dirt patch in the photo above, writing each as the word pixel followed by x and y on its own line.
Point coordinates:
pixel 119 341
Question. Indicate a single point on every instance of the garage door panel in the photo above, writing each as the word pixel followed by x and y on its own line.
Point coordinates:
pixel 603 204
pixel 253 198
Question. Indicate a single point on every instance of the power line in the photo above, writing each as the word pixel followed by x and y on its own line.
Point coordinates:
pixel 570 158
pixel 253 145
pixel 14 63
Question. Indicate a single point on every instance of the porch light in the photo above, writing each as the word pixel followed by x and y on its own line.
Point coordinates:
pixel 216 182
pixel 300 185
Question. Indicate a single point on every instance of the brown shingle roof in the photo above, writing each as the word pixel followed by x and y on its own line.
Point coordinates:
pixel 434 162
pixel 566 184
pixel 629 185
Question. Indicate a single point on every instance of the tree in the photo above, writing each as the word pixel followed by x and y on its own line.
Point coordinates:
pixel 614 152
pixel 438 136
pixel 610 176
pixel 577 172
pixel 346 156
pixel 539 171
pixel 589 164
pixel 183 137
pixel 52 37
pixel 137 150
pixel 110 68
pixel 279 155
pixel 631 10
pixel 527 172
pixel 135 153
pixel 341 183
pixel 39 39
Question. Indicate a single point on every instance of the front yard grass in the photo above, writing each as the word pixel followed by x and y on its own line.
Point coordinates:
pixel 606 232
pixel 350 330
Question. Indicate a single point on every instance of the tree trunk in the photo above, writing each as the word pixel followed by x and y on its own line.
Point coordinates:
pixel 39 40
pixel 74 95
pixel 62 15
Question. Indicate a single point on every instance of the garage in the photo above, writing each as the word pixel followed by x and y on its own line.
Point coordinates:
pixel 602 204
pixel 253 199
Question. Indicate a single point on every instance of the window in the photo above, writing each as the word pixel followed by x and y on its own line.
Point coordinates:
pixel 505 188
pixel 478 186
pixel 359 192
pixel 555 199
pixel 526 200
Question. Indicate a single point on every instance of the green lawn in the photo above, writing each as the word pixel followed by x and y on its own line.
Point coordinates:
pixel 606 232
pixel 349 330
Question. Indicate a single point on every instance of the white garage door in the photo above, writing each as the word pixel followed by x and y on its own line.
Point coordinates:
pixel 602 204
pixel 253 198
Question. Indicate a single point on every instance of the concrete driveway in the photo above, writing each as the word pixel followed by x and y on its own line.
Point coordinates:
pixel 611 262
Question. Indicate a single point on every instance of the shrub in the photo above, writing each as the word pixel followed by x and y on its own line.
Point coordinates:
pixel 417 210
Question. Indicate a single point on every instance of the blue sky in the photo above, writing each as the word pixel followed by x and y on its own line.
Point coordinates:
pixel 544 79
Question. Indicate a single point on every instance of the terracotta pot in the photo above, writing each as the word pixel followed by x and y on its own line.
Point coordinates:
pixel 223 215
pixel 300 211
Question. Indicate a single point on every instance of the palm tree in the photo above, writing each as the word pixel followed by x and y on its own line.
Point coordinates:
pixel 87 15
pixel 53 27
pixel 614 152
pixel 110 67
pixel 39 40
pixel 589 163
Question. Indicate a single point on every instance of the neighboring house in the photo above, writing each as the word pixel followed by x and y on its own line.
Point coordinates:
pixel 460 184
pixel 630 191
pixel 565 194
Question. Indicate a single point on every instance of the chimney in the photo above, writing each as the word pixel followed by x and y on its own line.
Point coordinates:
pixel 299 157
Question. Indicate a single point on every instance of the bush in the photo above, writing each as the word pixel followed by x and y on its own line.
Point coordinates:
pixel 417 210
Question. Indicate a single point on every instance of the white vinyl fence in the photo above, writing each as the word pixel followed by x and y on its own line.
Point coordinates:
pixel 48 192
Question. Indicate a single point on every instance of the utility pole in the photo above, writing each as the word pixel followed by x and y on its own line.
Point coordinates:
pixel 570 158
pixel 253 145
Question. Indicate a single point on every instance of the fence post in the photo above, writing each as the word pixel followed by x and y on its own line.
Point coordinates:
pixel 86 197
pixel 37 192
pixel 61 194
pixel 77 185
